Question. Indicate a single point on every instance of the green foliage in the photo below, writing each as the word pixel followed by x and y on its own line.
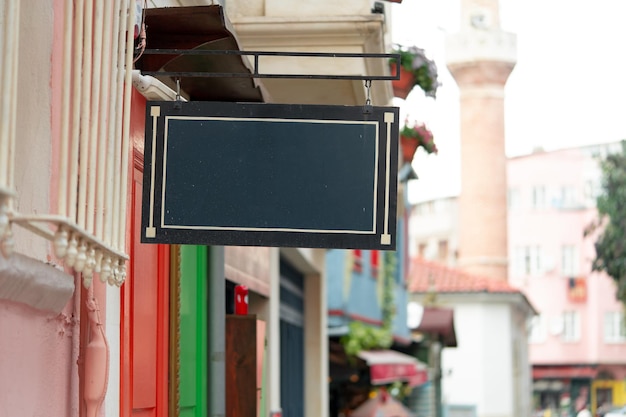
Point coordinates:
pixel 611 223
pixel 361 336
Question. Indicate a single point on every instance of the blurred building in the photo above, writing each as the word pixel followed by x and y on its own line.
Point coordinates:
pixel 488 374
pixel 577 342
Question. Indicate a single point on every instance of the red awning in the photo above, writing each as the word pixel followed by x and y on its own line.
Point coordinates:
pixel 388 366
pixel 564 372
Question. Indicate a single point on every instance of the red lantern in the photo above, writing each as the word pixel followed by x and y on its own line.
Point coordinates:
pixel 241 300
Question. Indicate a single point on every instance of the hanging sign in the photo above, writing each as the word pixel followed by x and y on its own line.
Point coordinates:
pixel 270 175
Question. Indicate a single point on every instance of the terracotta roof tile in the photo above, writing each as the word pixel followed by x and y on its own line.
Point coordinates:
pixel 427 275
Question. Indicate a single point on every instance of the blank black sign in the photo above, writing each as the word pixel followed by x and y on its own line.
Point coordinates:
pixel 270 175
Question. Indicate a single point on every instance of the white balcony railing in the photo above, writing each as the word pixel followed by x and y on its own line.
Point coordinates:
pixel 88 226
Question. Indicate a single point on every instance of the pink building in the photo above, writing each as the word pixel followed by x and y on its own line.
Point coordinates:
pixel 578 341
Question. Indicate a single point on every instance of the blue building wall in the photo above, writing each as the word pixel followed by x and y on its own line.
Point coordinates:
pixel 357 295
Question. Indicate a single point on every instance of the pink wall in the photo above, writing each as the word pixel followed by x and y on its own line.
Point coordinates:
pixel 551 228
pixel 37 361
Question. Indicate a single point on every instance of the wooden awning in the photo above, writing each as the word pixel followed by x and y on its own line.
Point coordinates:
pixel 198 27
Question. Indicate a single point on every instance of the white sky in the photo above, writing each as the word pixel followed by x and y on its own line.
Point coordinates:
pixel 567 89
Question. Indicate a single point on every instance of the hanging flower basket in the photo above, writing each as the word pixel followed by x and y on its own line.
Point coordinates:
pixel 409 147
pixel 414 136
pixel 423 72
pixel 403 86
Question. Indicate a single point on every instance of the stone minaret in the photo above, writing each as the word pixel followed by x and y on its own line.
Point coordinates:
pixel 481 57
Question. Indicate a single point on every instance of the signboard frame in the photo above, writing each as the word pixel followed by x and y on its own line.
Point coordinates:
pixel 341 154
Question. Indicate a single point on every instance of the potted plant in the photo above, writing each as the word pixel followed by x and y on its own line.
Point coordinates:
pixel 412 137
pixel 415 69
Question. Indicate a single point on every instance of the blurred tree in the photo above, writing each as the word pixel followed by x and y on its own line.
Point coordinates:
pixel 610 225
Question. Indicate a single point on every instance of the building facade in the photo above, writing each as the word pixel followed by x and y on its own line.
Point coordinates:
pixel 94 321
pixel 577 341
pixel 488 373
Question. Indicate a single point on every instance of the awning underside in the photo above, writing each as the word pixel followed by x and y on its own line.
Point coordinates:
pixel 387 366
pixel 201 27
pixel 439 321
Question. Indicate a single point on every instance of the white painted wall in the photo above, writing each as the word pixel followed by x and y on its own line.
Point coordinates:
pixel 462 366
pixel 479 371
pixel 317 7
pixel 489 369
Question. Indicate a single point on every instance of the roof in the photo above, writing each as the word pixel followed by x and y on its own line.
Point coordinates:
pixel 540 152
pixel 425 276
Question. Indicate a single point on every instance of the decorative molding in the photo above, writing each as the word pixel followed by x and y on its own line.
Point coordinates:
pixel 361 34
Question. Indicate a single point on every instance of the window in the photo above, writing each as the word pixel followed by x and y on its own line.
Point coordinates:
pixel 513 198
pixel 518 261
pixel 614 329
pixel 569 260
pixel 527 260
pixel 421 250
pixel 568 197
pixel 539 197
pixel 571 326
pixel 537 333
pixel 592 190
pixel 442 251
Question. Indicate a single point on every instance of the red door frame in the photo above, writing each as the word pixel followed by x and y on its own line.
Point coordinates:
pixel 144 324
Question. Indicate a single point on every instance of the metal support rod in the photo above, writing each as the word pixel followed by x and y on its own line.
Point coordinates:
pixel 258 74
